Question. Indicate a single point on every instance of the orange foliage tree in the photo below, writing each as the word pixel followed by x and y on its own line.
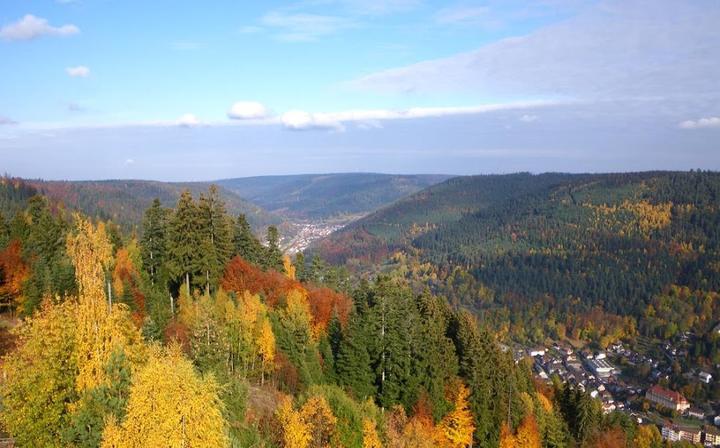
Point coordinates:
pixel 13 273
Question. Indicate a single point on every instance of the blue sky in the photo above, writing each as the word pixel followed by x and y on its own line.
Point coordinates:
pixel 203 90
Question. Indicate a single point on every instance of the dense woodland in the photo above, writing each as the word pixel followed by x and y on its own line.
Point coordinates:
pixel 592 258
pixel 193 333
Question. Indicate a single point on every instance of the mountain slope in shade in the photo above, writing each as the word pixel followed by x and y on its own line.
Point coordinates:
pixel 324 196
pixel 125 201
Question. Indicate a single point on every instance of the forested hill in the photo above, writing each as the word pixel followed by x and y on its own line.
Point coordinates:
pixel 559 246
pixel 320 196
pixel 122 201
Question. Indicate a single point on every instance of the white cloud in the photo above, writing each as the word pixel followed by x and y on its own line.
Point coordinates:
pixel 302 27
pixel 369 118
pixel 527 118
pixel 247 110
pixel 710 122
pixel 6 121
pixel 298 120
pixel 30 27
pixel 78 72
pixel 129 162
pixel 188 120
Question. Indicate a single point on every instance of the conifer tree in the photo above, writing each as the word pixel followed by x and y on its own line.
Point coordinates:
pixel 184 241
pixel 4 232
pixel 244 242
pixel 153 242
pixel 353 360
pixel 216 236
pixel 273 255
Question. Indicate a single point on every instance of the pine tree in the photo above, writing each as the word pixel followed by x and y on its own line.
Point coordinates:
pixel 153 242
pixel 245 244
pixel 184 241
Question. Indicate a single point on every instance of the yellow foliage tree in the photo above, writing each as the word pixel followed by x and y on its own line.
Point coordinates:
pixel 316 413
pixel 457 427
pixel 289 268
pixel 295 431
pixel 297 318
pixel 39 377
pixel 169 406
pixel 647 436
pixel 101 328
pixel 266 348
pixel 371 439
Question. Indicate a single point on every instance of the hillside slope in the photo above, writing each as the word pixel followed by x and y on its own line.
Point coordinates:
pixel 125 201
pixel 566 243
pixel 323 196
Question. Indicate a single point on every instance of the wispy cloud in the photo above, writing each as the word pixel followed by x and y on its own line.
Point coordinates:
pixel 4 121
pixel 616 49
pixel 303 27
pixel 371 118
pixel 31 27
pixel 528 118
pixel 78 72
pixel 710 122
pixel 462 14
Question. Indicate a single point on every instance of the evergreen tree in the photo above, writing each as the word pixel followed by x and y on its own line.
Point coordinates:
pixel 273 255
pixel 437 362
pixel 108 399
pixel 4 232
pixel 353 361
pixel 300 268
pixel 44 244
pixel 184 241
pixel 244 242
pixel 216 236
pixel 153 242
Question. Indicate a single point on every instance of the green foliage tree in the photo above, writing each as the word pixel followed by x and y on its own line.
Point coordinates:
pixel 273 258
pixel 153 246
pixel 184 241
pixel 216 236
pixel 244 242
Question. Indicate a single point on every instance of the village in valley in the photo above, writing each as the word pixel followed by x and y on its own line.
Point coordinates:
pixel 637 381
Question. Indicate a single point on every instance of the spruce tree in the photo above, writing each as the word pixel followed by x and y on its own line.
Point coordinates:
pixel 216 237
pixel 184 241
pixel 153 243
pixel 273 254
pixel 353 360
pixel 4 232
pixel 244 242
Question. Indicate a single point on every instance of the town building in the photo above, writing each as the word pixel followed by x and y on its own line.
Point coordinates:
pixel 676 433
pixel 667 398
pixel 712 436
pixel 600 367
